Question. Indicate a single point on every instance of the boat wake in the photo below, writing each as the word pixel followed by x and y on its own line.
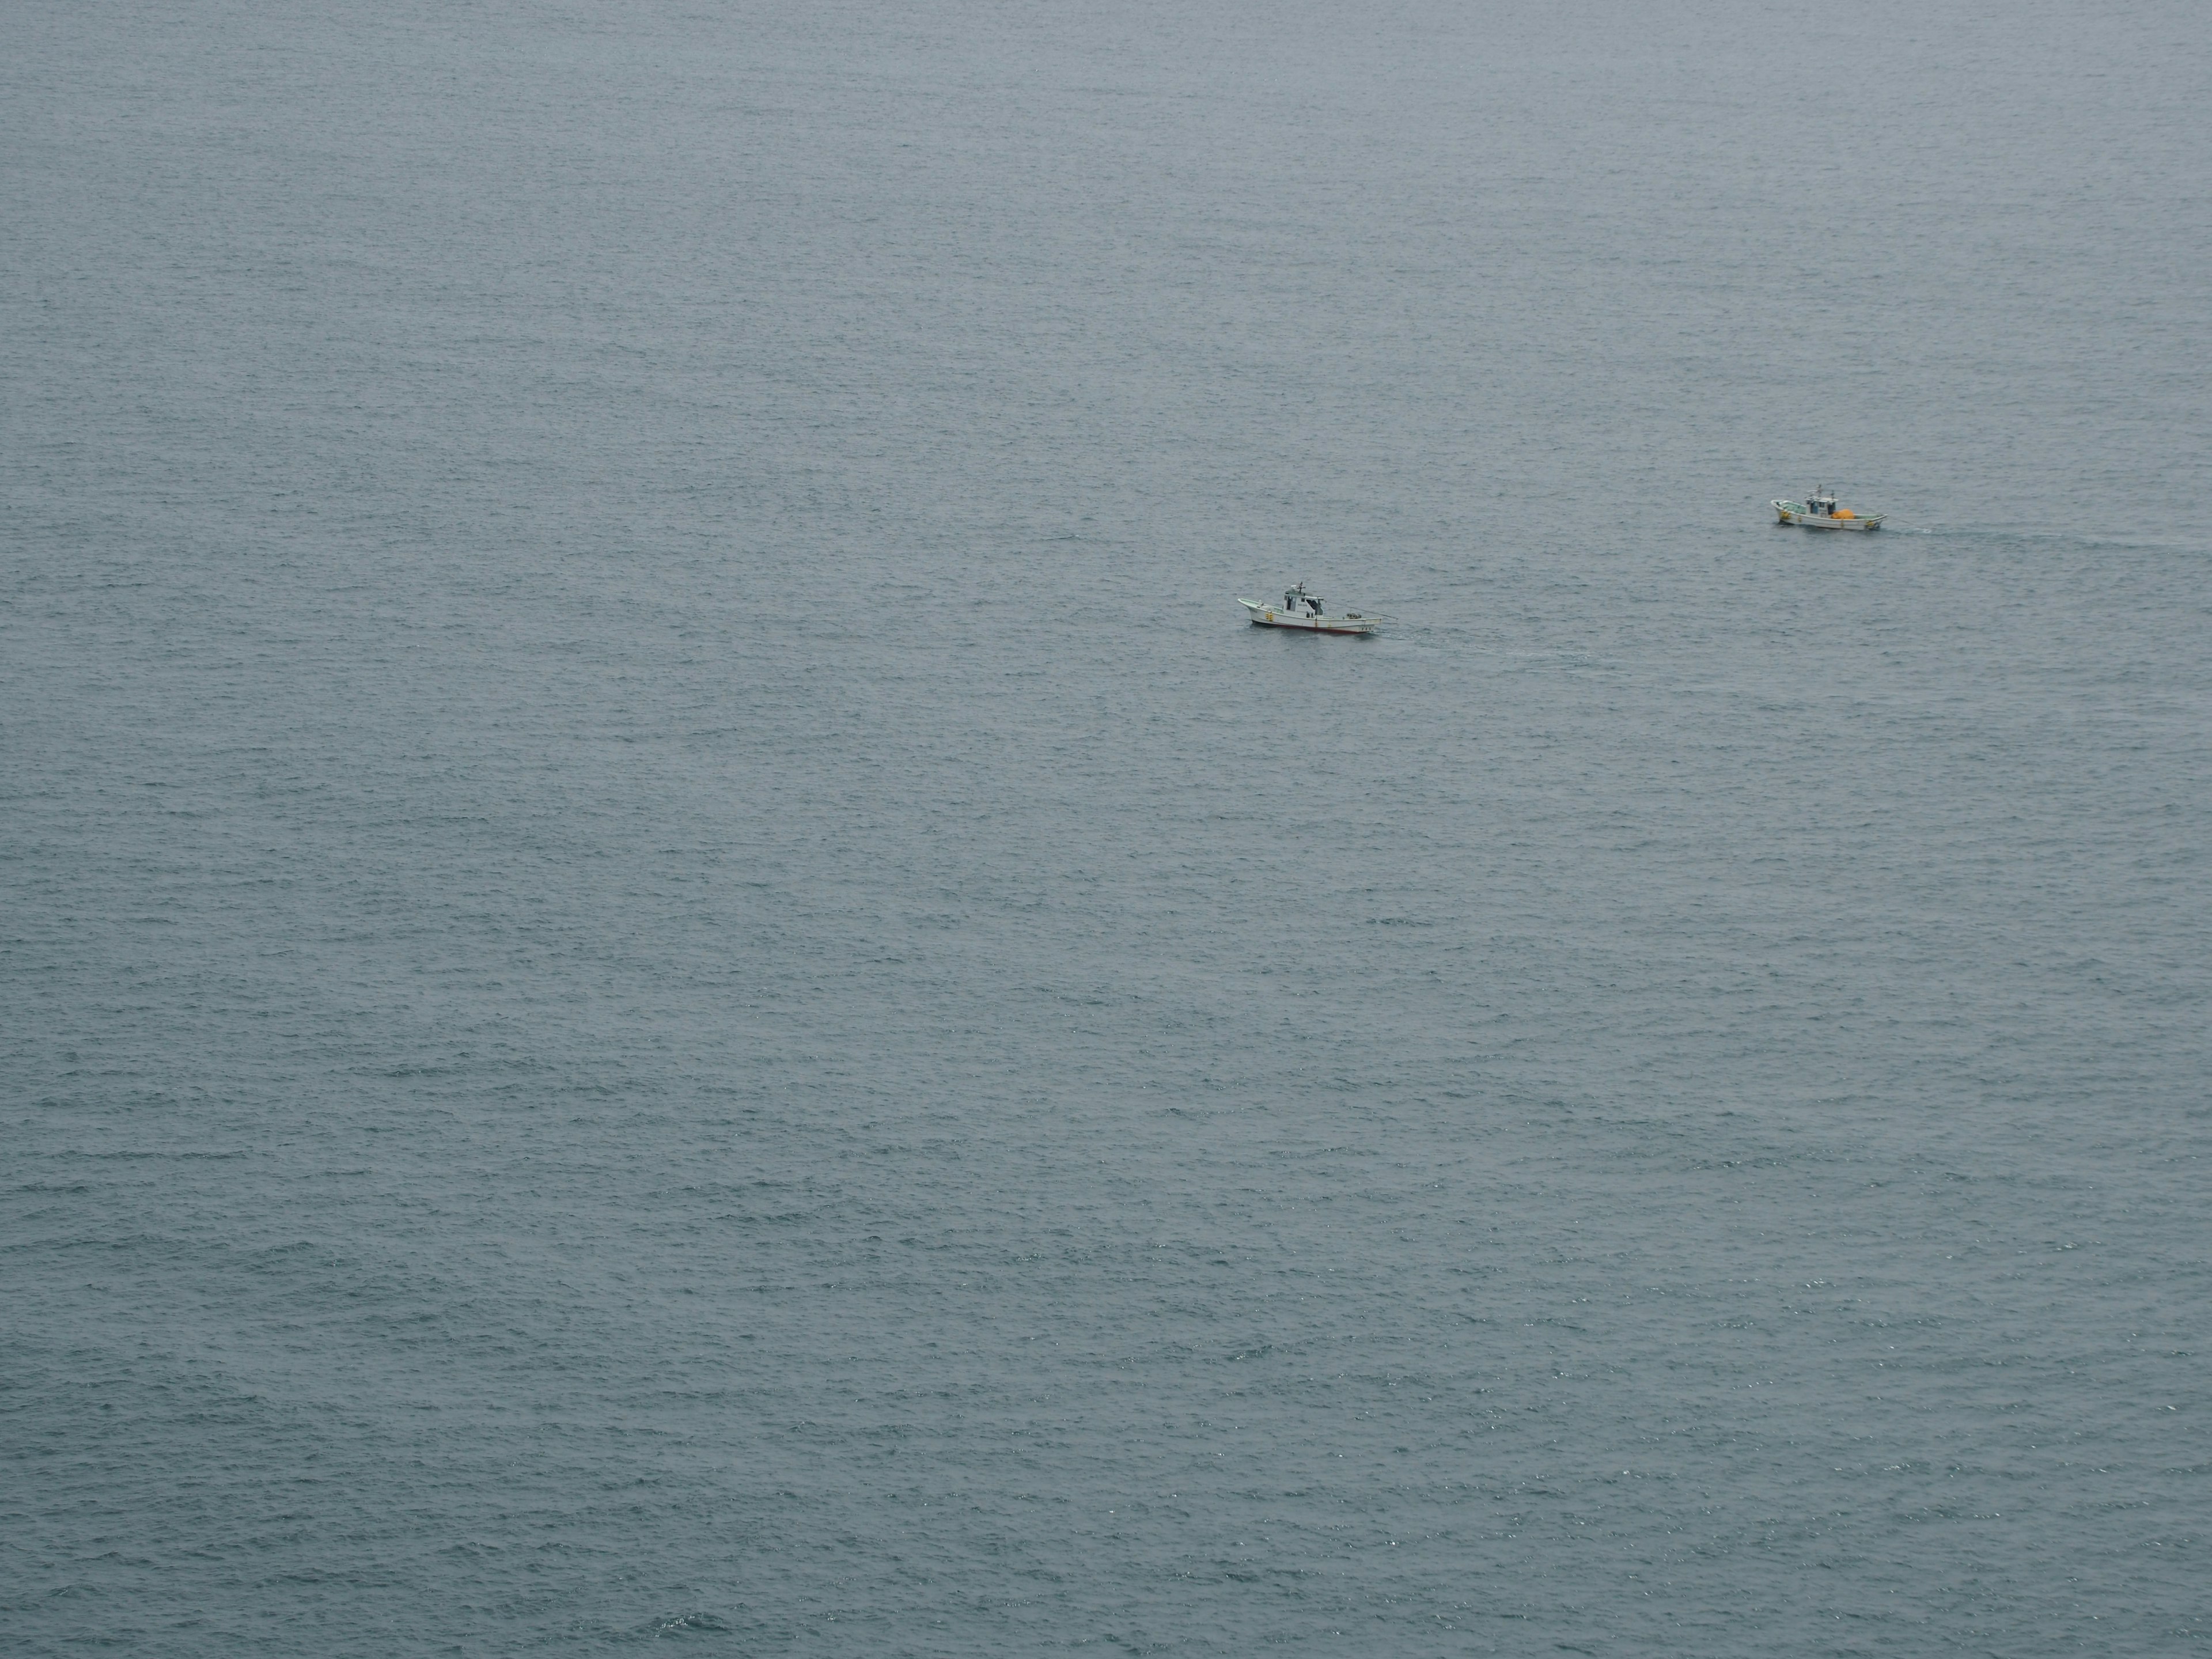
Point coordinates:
pixel 2055 538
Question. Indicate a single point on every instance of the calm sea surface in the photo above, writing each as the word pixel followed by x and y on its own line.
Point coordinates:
pixel 670 970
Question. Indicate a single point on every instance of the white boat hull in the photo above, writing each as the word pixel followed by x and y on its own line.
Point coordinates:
pixel 1792 513
pixel 1274 616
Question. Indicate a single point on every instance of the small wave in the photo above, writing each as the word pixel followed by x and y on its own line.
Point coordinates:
pixel 689 1624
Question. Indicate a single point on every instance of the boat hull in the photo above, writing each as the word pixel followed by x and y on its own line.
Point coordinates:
pixel 1789 513
pixel 1268 615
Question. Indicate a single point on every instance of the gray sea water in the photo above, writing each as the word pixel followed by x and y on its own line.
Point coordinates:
pixel 671 970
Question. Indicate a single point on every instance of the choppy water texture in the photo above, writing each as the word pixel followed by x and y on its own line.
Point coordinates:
pixel 673 972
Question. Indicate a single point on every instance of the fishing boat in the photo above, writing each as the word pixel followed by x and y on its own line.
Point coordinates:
pixel 1300 609
pixel 1818 511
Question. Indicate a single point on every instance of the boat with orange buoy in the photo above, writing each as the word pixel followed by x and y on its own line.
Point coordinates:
pixel 1818 511
pixel 1300 609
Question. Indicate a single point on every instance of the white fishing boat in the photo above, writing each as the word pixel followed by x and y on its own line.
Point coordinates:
pixel 1818 511
pixel 1300 609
